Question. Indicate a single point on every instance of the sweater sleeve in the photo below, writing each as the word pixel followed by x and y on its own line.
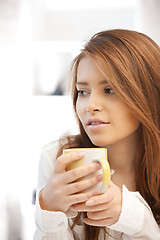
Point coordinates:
pixel 49 225
pixel 136 219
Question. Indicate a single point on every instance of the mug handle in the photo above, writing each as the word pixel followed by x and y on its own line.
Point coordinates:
pixel 106 173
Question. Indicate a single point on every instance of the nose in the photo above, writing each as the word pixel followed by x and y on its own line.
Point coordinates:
pixel 94 104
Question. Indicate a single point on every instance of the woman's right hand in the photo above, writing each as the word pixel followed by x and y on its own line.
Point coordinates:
pixel 61 190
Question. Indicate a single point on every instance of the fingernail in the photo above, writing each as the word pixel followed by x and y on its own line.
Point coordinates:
pixel 99 177
pixel 80 154
pixel 98 165
pixel 90 202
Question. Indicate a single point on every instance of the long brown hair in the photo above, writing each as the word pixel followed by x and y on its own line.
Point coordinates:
pixel 130 61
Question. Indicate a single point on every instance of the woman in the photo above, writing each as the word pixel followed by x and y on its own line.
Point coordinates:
pixel 116 92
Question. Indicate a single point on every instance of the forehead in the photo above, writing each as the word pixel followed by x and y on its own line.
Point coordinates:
pixel 87 70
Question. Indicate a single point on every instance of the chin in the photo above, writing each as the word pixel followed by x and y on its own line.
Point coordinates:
pixel 104 143
pixel 98 142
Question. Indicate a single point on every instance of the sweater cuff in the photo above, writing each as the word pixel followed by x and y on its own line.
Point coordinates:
pixel 48 221
pixel 132 214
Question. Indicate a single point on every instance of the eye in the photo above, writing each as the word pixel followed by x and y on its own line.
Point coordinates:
pixel 109 90
pixel 82 92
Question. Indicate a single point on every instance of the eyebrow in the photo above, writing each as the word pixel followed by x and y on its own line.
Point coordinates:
pixel 85 83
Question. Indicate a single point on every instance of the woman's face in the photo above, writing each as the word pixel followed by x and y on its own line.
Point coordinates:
pixel 104 117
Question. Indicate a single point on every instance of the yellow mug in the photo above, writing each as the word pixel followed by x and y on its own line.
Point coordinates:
pixel 92 155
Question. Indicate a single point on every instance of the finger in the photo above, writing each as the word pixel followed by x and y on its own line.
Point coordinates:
pixel 81 197
pixel 80 172
pixel 104 197
pixel 64 160
pixel 81 207
pixel 112 213
pixel 83 184
pixel 99 215
pixel 100 199
pixel 99 223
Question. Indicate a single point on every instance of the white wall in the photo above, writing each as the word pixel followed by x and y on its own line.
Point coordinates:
pixel 150 18
pixel 78 22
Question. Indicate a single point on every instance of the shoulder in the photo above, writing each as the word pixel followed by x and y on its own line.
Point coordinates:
pixel 51 147
pixel 49 151
pixel 47 160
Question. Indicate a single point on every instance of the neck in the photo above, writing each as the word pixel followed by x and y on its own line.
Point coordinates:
pixel 122 159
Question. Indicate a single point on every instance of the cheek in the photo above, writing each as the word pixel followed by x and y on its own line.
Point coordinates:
pixel 80 110
pixel 123 118
pixel 134 123
pixel 129 121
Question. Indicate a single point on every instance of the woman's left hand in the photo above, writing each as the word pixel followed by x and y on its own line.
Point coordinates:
pixel 103 209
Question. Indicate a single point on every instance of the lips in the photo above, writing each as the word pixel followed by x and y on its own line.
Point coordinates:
pixel 95 121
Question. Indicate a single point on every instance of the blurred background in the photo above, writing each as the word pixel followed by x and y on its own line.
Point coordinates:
pixel 38 40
